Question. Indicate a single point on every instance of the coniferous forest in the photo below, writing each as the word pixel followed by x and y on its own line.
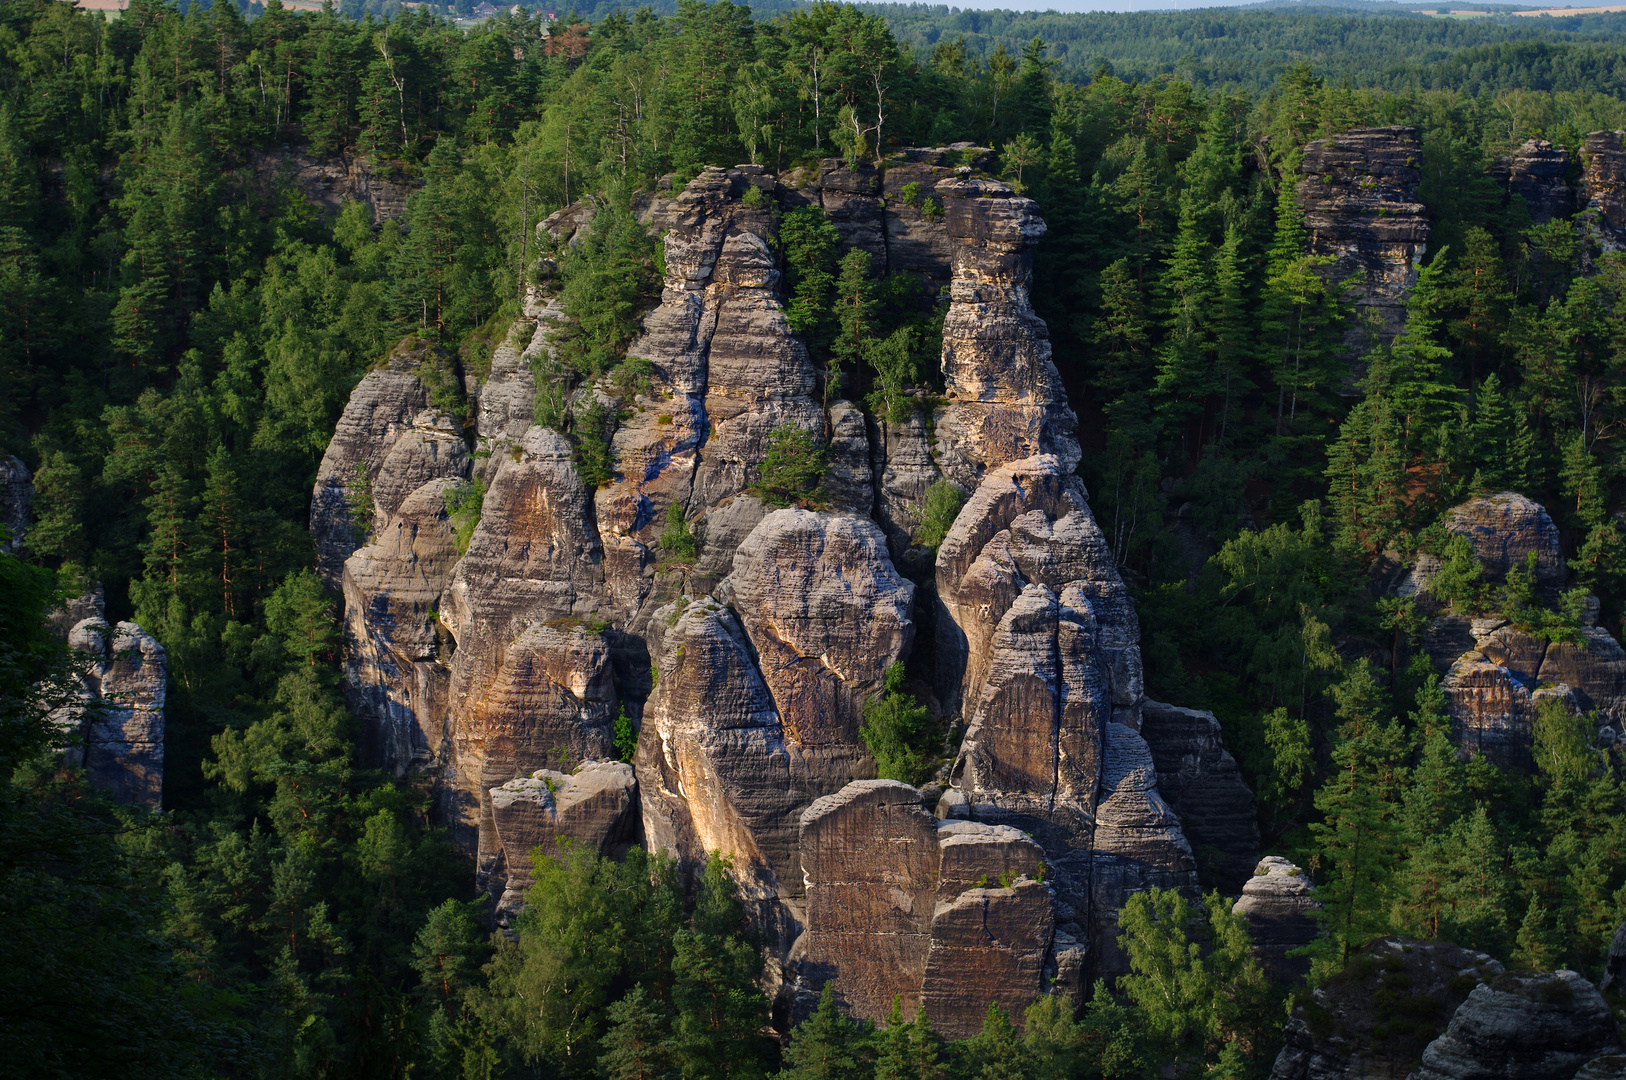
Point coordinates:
pixel 182 325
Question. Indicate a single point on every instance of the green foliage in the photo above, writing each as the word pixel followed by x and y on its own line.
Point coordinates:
pixel 899 732
pixel 937 514
pixel 793 469
pixel 607 280
pixel 677 539
pixel 463 506
pixel 625 735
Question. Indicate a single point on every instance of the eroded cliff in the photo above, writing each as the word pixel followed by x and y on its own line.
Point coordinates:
pixel 503 670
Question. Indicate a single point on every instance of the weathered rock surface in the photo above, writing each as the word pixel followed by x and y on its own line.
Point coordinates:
pixel 91 604
pixel 746 665
pixel 16 497
pixel 595 808
pixel 902 906
pixel 1359 195
pixel 1523 1026
pixel 331 181
pixel 381 410
pixel 1538 172
pixel 122 727
pixel 1375 1018
pixel 827 615
pixel 1603 187
pixel 396 675
pixel 1278 903
pixel 1505 529
pixel 1005 400
pixel 1201 781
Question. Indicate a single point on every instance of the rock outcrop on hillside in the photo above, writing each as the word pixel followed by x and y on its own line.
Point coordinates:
pixel 1374 1019
pixel 1496 675
pixel 1358 191
pixel 120 731
pixel 1614 974
pixel 1603 188
pixel 1538 173
pixel 1279 903
pixel 503 672
pixel 1523 1026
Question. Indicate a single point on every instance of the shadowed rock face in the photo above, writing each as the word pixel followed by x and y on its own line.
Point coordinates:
pixel 1201 781
pixel 396 678
pixel 1358 191
pixel 126 686
pixel 1278 903
pixel 1334 1034
pixel 1538 173
pixel 1524 1026
pixel 595 808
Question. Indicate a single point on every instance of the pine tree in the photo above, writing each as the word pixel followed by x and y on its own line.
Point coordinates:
pixel 637 1045
pixel 717 1032
pixel 825 1046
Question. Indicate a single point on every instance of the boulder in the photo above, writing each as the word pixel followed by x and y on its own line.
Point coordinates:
pixel 1374 1019
pixel 1604 1067
pixel 902 907
pixel 595 808
pixel 1523 1026
pixel 1279 903
pixel 1200 779
pixel 1358 191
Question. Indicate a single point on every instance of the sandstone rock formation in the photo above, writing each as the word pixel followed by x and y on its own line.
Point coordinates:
pixel 16 496
pixel 1005 400
pixel 1538 173
pixel 1278 903
pixel 1603 188
pixel 121 728
pixel 902 906
pixel 1375 1018
pixel 395 672
pixel 1523 1026
pixel 382 409
pixel 1496 676
pixel 1202 783
pixel 1359 195
pixel 1505 529
pixel 503 672
pixel 596 808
